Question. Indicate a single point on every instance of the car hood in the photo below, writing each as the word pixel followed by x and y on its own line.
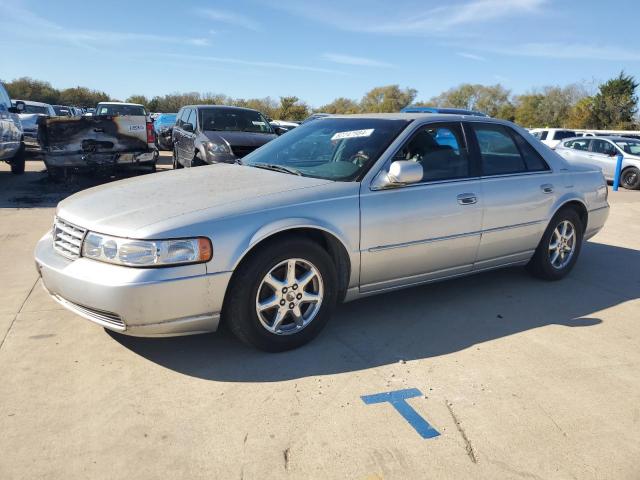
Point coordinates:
pixel 29 121
pixel 244 139
pixel 125 207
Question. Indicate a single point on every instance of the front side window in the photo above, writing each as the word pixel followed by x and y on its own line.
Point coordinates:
pixel 440 149
pixel 4 97
pixel 603 147
pixel 498 150
pixel 582 145
pixel 332 148
pixel 191 118
pixel 233 120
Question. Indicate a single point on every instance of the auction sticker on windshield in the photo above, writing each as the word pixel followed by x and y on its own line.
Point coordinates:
pixel 353 134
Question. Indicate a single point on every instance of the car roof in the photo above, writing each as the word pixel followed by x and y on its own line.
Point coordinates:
pixel 444 117
pixel 601 137
pixel 32 103
pixel 225 107
pixel 121 103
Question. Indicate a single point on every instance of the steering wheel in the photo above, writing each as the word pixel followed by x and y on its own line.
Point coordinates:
pixel 359 158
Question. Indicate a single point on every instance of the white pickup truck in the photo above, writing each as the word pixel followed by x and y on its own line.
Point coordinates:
pixel 117 134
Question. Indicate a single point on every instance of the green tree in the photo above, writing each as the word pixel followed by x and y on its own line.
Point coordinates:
pixel 390 98
pixel 141 99
pixel 82 97
pixel 582 115
pixel 527 110
pixel 291 108
pixel 340 105
pixel 26 88
pixel 494 100
pixel 616 104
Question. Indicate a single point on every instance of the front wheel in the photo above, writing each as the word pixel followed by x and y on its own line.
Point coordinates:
pixel 282 296
pixel 630 178
pixel 559 248
pixel 18 162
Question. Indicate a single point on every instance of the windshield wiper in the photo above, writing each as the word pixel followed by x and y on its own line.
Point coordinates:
pixel 276 168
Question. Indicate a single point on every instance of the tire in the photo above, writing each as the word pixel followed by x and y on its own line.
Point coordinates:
pixel 630 178
pixel 18 161
pixel 197 160
pixel 248 287
pixel 543 265
pixel 176 163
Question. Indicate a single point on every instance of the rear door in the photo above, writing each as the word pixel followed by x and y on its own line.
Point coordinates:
pixel 519 189
pixel 576 151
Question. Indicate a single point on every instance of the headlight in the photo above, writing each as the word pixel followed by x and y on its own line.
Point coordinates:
pixel 146 253
pixel 215 148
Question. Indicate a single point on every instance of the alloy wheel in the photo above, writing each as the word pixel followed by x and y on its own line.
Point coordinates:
pixel 289 296
pixel 562 244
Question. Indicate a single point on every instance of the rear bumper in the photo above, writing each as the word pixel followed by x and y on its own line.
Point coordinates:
pixel 81 159
pixel 140 302
pixel 596 221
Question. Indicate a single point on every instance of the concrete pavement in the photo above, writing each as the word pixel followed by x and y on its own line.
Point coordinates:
pixel 521 378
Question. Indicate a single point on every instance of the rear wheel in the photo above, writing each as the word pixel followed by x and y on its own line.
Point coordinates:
pixel 282 296
pixel 559 248
pixel 18 161
pixel 630 178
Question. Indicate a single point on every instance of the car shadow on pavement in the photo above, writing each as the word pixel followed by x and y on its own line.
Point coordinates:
pixel 415 323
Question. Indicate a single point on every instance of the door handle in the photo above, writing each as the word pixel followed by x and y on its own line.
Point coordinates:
pixel 98 130
pixel 467 199
pixel 547 188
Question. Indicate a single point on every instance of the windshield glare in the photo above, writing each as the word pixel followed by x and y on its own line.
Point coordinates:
pixel 233 120
pixel 330 148
pixel 632 147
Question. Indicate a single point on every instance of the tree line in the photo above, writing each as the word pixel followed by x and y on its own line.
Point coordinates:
pixel 613 105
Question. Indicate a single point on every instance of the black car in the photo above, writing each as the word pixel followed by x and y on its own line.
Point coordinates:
pixel 206 134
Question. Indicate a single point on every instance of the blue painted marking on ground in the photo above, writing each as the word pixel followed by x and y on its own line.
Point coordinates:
pixel 398 399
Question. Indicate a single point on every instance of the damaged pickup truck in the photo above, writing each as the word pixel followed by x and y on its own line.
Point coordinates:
pixel 117 134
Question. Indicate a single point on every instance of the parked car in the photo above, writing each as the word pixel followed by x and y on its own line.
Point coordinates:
pixel 341 208
pixel 118 134
pixel 163 126
pixel 283 124
pixel 315 116
pixel 552 136
pixel 62 110
pixel 30 119
pixel 454 111
pixel 602 153
pixel 11 137
pixel 206 134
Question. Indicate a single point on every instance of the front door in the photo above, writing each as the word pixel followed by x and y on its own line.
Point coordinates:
pixel 428 230
pixel 603 154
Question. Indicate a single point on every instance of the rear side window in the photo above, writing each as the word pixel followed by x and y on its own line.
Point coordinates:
pixel 441 151
pixel 542 135
pixel 498 150
pixel 562 134
pixel 532 159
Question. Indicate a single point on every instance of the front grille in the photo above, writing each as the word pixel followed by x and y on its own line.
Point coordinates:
pixel 67 238
pixel 242 151
pixel 106 319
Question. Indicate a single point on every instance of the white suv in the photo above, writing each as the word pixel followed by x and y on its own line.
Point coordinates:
pixel 552 136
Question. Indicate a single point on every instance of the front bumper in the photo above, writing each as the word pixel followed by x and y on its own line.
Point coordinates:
pixel 135 301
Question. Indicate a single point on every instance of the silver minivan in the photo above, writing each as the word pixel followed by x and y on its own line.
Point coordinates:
pixel 11 137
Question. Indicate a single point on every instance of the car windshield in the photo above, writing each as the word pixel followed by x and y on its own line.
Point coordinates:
pixel 166 119
pixel 35 109
pixel 116 110
pixel 330 148
pixel 233 120
pixel 632 147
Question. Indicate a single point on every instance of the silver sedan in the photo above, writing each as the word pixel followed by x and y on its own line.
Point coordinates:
pixel 337 209
pixel 602 153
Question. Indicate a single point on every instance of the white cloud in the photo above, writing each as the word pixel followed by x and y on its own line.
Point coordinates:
pixel 472 56
pixel 230 18
pixel 567 51
pixel 252 63
pixel 351 60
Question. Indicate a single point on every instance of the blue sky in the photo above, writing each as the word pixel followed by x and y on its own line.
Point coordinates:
pixel 316 50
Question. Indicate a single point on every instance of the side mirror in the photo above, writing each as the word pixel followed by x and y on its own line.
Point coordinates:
pixel 279 130
pixel 19 107
pixel 187 127
pixel 401 172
